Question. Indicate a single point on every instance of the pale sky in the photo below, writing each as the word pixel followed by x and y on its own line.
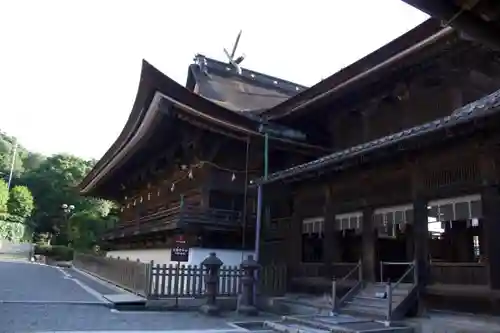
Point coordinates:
pixel 69 70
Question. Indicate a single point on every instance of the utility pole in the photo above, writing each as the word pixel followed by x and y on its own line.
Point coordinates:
pixel 14 153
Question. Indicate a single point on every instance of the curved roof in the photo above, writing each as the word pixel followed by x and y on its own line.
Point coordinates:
pixel 155 88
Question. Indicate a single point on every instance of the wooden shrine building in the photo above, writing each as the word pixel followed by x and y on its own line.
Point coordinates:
pixel 410 193
pixel 181 163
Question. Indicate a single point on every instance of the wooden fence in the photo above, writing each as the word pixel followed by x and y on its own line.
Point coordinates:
pixel 159 281
pixel 189 281
pixel 130 275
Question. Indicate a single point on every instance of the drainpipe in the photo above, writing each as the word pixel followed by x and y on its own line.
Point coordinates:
pixel 259 197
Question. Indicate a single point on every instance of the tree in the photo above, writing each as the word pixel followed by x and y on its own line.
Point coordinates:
pixel 85 229
pixel 4 196
pixel 52 182
pixel 32 161
pixel 20 202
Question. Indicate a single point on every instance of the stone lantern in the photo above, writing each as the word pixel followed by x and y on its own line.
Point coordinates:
pixel 247 304
pixel 212 265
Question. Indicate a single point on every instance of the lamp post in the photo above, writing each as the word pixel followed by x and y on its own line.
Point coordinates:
pixel 67 212
pixel 67 209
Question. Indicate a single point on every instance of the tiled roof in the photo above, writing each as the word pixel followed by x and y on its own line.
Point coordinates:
pixel 475 110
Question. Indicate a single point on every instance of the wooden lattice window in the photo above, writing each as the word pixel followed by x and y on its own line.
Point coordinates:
pixel 468 173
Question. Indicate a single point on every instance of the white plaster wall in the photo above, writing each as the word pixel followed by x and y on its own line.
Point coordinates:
pixel 196 255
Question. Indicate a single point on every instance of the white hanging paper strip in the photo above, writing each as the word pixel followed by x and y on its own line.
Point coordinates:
pixel 458 208
pixel 348 221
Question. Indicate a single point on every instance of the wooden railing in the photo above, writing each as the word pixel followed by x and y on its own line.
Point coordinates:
pixel 465 273
pixel 188 214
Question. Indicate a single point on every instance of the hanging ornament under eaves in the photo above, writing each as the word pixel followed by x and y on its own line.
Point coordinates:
pixel 233 177
pixel 172 188
pixel 190 174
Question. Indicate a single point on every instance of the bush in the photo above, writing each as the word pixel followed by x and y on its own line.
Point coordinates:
pixel 55 252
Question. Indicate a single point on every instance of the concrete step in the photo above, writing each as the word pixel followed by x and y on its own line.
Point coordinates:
pixel 290 306
pixel 333 324
pixel 373 292
pixel 365 304
pixel 365 309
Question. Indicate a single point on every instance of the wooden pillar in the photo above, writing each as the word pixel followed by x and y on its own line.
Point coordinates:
pixel 294 253
pixel 490 198
pixel 368 246
pixel 331 246
pixel 420 235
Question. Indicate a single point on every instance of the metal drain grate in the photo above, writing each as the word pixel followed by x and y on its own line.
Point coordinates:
pixel 253 326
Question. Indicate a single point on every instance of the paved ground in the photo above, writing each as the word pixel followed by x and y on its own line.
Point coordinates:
pixel 39 298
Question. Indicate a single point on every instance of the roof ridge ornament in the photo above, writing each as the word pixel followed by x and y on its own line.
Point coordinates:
pixel 235 62
pixel 201 62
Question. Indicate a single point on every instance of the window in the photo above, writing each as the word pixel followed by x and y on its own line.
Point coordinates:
pixel 312 239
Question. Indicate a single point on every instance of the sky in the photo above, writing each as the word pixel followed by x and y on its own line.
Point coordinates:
pixel 69 70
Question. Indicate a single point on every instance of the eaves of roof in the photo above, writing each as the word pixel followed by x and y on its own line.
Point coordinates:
pixel 349 75
pixel 155 86
pixel 479 109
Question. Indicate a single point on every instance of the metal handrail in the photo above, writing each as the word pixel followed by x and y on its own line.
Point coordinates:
pixel 354 269
pixel 408 271
pixel 392 263
pixel 348 294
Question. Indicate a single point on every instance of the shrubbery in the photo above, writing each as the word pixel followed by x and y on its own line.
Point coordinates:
pixel 55 252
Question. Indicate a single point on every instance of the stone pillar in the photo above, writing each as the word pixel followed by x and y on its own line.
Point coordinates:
pixel 212 264
pixel 248 281
pixel 369 246
pixel 490 198
pixel 420 237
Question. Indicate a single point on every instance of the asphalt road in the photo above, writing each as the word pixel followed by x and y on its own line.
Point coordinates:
pixel 39 298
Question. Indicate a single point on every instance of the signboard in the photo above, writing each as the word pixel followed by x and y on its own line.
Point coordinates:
pixel 180 250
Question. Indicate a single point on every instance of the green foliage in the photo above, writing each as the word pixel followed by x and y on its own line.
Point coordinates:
pixel 4 196
pixel 11 229
pixel 41 185
pixel 20 202
pixel 55 252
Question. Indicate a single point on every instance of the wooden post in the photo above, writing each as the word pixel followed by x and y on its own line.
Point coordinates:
pixel 294 255
pixel 334 295
pixel 420 235
pixel 388 291
pixel 330 239
pixel 369 243
pixel 490 198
